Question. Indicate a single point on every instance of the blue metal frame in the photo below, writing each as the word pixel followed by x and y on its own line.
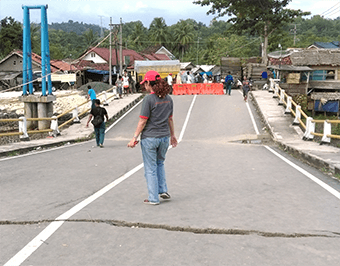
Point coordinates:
pixel 27 52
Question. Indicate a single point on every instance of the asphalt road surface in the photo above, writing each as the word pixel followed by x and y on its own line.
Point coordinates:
pixel 234 202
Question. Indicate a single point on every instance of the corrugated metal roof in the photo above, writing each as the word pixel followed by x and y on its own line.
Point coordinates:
pixel 327 45
pixel 291 68
pixel 10 76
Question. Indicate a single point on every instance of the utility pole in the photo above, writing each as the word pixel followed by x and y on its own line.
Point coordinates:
pixel 116 48
pixel 101 27
pixel 294 32
pixel 110 59
pixel 198 43
pixel 121 49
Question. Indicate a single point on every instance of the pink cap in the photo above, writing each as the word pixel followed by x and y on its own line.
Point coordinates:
pixel 151 76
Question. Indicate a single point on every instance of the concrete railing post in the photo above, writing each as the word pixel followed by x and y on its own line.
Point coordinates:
pixel 297 115
pixel 23 128
pixel 289 105
pixel 54 126
pixel 114 91
pixel 271 85
pixel 327 130
pixel 105 99
pixel 75 113
pixel 310 128
pixel 276 91
pixel 282 96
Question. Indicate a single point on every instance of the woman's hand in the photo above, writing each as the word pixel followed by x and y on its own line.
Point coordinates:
pixel 173 141
pixel 132 143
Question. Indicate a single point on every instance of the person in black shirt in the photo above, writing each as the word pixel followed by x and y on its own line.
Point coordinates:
pixel 98 113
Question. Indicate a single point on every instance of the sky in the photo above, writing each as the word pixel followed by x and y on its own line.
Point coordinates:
pixel 99 11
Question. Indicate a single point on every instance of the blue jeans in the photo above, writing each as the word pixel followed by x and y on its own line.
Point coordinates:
pixel 154 151
pixel 100 133
pixel 228 89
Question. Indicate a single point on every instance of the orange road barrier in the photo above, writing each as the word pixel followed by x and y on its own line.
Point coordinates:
pixel 198 88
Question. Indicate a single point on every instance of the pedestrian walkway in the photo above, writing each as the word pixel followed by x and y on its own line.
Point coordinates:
pixel 289 137
pixel 75 132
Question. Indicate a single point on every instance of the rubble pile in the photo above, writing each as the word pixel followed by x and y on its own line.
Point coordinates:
pixel 66 100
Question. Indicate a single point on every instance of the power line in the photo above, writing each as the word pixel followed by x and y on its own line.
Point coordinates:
pixel 329 10
pixel 334 12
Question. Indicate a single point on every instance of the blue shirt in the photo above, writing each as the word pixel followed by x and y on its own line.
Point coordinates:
pixel 92 94
pixel 229 77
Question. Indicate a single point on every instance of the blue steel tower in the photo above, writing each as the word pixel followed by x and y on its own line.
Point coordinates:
pixel 27 52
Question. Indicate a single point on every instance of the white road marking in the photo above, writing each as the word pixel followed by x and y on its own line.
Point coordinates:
pixel 187 119
pixel 32 246
pixel 252 118
pixel 304 172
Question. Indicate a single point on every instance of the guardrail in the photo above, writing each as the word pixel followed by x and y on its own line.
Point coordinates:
pixel 297 112
pixel 54 127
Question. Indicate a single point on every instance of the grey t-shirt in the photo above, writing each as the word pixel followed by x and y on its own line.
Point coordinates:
pixel 157 111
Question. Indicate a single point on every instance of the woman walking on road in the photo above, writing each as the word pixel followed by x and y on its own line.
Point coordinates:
pixel 157 129
pixel 98 113
pixel 245 87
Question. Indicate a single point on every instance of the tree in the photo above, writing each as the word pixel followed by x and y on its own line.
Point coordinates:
pixel 183 35
pixel 158 31
pixel 138 36
pixel 10 36
pixel 89 37
pixel 258 17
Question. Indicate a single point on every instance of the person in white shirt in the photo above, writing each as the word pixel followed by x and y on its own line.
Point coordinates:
pixel 189 79
pixel 126 84
pixel 170 80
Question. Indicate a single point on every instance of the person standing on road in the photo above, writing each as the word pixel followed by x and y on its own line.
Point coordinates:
pixel 156 127
pixel 169 80
pixel 126 84
pixel 119 84
pixel 91 94
pixel 228 82
pixel 98 114
pixel 245 87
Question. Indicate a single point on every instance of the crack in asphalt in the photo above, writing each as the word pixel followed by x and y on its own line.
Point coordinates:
pixel 189 229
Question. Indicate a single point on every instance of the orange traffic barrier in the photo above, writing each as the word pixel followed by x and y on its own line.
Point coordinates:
pixel 198 88
pixel 194 88
pixel 179 89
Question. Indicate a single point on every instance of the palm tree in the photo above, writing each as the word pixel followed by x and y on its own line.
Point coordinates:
pixel 184 35
pixel 138 36
pixel 158 31
pixel 89 37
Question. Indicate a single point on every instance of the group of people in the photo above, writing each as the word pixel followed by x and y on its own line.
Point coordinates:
pixel 246 85
pixel 123 85
pixel 155 130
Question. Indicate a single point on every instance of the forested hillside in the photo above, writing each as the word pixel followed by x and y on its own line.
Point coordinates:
pixel 188 40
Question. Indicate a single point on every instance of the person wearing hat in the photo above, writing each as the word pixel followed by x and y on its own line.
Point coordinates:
pixel 156 127
pixel 169 80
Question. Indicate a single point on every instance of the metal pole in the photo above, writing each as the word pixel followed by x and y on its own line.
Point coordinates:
pixel 121 49
pixel 48 63
pixel 110 59
pixel 43 52
pixel 25 55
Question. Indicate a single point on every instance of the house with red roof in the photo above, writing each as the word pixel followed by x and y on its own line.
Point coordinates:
pixel 98 58
pixel 94 63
